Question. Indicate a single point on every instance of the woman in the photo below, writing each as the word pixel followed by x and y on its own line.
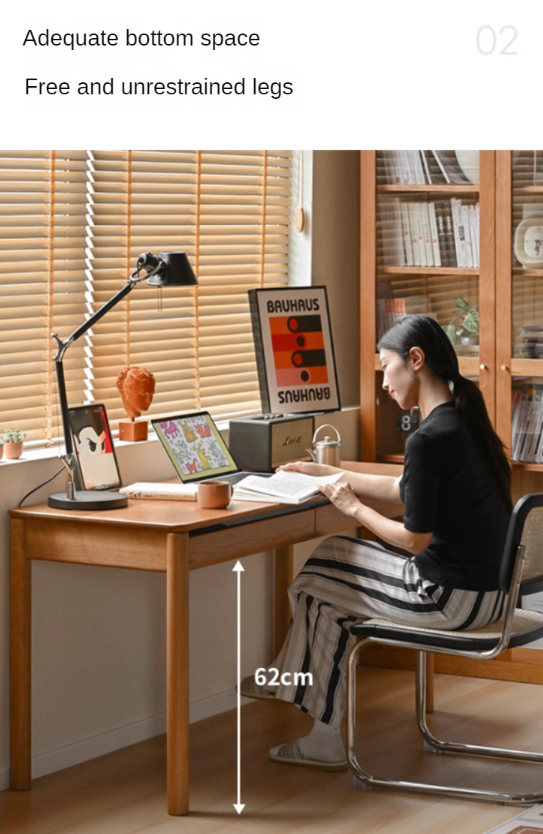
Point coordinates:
pixel 454 495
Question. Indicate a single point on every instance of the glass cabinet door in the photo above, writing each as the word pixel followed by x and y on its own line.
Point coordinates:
pixel 434 212
pixel 520 291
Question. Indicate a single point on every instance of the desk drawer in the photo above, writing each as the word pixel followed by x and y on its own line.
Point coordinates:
pixel 245 539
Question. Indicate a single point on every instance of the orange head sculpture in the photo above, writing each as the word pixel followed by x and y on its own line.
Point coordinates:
pixel 136 387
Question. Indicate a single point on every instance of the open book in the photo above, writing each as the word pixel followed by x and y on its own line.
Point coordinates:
pixel 283 488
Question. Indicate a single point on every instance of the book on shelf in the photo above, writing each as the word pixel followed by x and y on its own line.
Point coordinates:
pixel 389 224
pixel 283 487
pixel 426 166
pixel 435 233
pixel 406 235
pixel 459 240
pixel 415 233
pixel 427 234
pixel 449 168
pixel 464 214
pixel 444 234
pixel 404 168
pixel 527 424
pixel 419 232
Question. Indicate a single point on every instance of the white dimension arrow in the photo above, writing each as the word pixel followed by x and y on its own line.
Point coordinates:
pixel 239 567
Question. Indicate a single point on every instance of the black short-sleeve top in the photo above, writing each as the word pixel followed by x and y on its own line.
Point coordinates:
pixel 448 489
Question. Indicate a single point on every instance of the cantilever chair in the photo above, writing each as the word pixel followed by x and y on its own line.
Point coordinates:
pixel 521 573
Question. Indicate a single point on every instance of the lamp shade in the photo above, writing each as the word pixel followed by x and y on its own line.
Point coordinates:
pixel 176 271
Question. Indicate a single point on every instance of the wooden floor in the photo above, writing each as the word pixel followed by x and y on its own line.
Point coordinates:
pixel 124 792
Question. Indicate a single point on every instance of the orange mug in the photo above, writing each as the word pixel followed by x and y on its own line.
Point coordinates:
pixel 214 495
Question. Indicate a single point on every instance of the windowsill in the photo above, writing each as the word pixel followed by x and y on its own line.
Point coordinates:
pixel 53 452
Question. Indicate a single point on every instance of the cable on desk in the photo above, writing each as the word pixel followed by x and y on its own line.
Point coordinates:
pixel 40 486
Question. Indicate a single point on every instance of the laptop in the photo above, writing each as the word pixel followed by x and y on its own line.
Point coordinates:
pixel 196 449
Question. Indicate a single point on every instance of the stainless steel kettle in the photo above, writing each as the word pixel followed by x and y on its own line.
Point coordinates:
pixel 326 451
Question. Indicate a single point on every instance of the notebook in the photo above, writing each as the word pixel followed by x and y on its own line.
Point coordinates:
pixel 196 449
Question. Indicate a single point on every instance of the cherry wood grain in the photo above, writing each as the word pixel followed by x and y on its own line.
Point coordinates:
pixel 20 668
pixel 177 550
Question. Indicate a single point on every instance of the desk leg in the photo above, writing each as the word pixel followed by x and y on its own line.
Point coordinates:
pixel 283 579
pixel 19 659
pixel 177 551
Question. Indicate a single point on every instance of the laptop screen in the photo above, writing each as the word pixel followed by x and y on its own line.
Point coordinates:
pixel 195 446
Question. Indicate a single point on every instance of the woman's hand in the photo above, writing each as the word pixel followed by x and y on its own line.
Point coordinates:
pixel 307 468
pixel 342 497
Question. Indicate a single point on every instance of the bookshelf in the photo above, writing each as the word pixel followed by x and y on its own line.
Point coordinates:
pixel 508 295
pixel 389 273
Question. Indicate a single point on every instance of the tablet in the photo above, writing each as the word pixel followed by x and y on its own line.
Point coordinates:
pixel 96 463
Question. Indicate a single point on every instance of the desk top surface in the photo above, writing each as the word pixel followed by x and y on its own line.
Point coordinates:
pixel 186 515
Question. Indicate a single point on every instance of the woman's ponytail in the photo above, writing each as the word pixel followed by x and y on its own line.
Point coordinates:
pixel 471 405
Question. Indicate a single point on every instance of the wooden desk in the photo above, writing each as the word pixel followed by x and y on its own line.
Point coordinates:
pixel 167 536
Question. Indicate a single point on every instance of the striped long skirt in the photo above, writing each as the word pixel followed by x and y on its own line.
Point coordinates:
pixel 347 581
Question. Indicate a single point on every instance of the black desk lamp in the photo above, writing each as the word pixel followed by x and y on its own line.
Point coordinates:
pixel 169 270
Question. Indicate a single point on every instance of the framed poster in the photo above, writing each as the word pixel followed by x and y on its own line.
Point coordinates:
pixel 294 350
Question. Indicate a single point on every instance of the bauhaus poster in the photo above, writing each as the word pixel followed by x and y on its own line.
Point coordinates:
pixel 294 350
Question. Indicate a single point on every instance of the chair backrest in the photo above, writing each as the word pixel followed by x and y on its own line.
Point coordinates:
pixel 526 529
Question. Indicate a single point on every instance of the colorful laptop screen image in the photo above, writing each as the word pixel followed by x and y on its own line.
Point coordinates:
pixel 195 446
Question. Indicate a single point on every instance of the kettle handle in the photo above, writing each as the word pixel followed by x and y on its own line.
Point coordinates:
pixel 326 426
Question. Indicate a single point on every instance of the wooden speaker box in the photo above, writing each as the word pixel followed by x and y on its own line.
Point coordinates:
pixel 261 443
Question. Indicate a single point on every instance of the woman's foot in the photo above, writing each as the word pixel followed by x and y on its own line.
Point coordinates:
pixel 291 754
pixel 322 747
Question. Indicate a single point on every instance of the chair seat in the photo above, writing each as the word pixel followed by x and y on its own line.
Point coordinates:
pixel 527 626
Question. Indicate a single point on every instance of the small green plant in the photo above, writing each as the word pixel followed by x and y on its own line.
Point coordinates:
pixel 470 320
pixel 13 436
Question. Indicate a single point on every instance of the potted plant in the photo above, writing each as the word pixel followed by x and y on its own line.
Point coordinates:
pixel 469 331
pixel 13 443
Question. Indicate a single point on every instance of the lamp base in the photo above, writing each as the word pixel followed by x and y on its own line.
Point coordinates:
pixel 88 499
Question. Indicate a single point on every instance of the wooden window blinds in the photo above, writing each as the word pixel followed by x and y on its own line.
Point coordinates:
pixel 72 224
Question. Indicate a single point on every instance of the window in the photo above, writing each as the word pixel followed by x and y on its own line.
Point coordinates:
pixel 72 224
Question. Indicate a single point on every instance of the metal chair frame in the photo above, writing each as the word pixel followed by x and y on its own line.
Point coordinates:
pixel 513 549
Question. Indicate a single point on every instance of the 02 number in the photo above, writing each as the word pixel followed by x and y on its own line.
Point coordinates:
pixel 487 40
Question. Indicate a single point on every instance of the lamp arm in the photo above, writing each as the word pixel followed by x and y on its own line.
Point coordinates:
pixel 150 263
pixel 57 359
pixel 62 347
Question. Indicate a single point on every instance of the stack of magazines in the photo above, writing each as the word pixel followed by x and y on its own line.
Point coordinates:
pixel 422 167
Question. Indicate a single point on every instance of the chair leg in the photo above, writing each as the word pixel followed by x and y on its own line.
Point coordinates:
pixel 436 745
pixel 364 779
